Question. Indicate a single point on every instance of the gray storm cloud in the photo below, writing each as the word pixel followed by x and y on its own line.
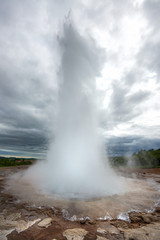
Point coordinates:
pixel 29 61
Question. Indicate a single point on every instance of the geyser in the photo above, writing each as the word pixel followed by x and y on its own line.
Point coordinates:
pixel 77 164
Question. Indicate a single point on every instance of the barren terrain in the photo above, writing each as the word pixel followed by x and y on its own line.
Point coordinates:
pixel 20 220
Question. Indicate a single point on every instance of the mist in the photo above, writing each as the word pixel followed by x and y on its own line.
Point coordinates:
pixel 77 164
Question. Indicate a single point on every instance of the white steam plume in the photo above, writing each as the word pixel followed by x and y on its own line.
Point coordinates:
pixel 77 165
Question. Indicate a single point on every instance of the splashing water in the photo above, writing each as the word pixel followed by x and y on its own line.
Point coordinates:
pixel 77 165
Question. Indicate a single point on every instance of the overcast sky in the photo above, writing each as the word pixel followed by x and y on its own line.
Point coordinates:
pixel 128 31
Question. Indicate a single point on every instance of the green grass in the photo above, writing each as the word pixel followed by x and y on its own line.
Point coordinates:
pixel 7 162
pixel 146 167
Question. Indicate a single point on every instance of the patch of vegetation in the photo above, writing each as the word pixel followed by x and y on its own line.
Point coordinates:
pixel 142 159
pixel 12 161
pixel 150 158
pixel 118 161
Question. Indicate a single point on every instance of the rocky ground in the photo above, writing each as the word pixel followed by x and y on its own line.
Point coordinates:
pixel 20 221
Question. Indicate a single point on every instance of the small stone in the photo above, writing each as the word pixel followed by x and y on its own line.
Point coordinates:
pixel 157 209
pixel 45 222
pixel 92 222
pixel 108 228
pixel 146 219
pixel 101 230
pixel 135 217
pixel 83 221
pixel 154 218
pixel 75 234
pixel 101 238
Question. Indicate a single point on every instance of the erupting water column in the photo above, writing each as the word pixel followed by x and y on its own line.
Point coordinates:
pixel 77 164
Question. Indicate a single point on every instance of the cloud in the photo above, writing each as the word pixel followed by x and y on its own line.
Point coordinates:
pixel 148 55
pixel 151 10
pixel 118 146
pixel 30 58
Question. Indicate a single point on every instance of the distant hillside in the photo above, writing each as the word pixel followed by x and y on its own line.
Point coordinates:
pixel 13 161
pixel 150 158
pixel 143 158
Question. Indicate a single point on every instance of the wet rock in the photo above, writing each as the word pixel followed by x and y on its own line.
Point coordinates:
pixel 75 234
pixel 148 232
pixel 45 223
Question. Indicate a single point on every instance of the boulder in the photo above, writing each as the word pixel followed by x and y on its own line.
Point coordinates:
pixel 75 234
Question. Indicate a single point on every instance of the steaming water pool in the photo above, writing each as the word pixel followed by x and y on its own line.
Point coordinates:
pixel 139 195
